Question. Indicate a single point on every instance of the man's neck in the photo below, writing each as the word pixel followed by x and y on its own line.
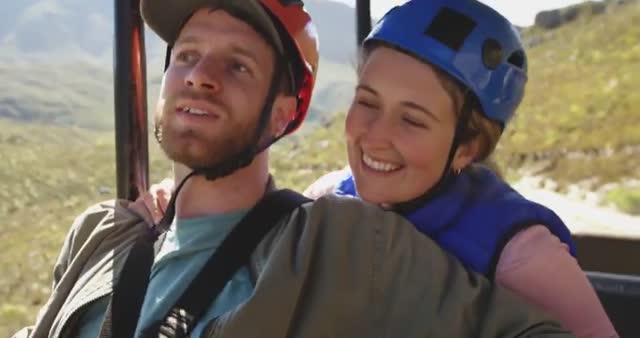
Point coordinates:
pixel 240 190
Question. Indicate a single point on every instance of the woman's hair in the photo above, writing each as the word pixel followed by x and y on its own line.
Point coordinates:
pixel 478 126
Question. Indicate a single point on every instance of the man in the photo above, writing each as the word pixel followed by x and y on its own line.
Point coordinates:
pixel 240 76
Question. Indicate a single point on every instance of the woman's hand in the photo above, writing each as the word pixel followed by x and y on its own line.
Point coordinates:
pixel 152 204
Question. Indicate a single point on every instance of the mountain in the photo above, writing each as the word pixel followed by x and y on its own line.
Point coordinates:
pixel 59 27
pixel 70 27
pixel 43 44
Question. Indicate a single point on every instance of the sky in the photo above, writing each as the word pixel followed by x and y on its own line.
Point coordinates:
pixel 519 12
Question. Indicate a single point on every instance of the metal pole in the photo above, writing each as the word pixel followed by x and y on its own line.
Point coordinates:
pixel 363 19
pixel 129 67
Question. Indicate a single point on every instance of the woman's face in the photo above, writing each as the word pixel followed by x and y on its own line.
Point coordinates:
pixel 399 128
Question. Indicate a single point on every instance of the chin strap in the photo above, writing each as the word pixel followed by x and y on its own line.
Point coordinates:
pixel 238 161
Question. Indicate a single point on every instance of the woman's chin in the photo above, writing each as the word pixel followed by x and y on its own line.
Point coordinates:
pixel 375 196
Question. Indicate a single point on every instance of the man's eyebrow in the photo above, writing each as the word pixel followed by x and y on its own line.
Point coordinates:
pixel 236 48
pixel 186 39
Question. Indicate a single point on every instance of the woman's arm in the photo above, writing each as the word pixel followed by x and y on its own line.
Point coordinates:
pixel 325 184
pixel 537 265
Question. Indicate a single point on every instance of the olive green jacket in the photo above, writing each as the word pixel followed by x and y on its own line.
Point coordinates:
pixel 335 267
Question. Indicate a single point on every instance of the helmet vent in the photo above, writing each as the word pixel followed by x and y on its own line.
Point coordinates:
pixel 492 53
pixel 450 28
pixel 517 59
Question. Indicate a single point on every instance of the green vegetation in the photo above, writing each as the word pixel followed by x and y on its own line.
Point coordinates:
pixel 578 119
pixel 628 200
pixel 302 158
pixel 581 98
pixel 51 174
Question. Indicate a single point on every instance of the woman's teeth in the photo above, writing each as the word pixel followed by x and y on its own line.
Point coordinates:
pixel 378 165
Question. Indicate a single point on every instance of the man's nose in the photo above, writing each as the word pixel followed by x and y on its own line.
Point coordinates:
pixel 204 75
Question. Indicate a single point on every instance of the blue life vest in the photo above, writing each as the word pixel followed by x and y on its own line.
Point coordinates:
pixel 475 216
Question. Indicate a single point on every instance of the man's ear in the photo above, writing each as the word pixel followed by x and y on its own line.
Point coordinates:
pixel 282 113
pixel 466 154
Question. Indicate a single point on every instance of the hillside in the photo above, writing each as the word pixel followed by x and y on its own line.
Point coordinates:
pixel 64 93
pixel 578 128
pixel 48 175
pixel 65 47
pixel 579 118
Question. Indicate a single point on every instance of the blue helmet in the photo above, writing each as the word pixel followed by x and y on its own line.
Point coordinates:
pixel 466 39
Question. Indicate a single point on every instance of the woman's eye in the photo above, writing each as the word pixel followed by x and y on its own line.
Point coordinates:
pixel 413 122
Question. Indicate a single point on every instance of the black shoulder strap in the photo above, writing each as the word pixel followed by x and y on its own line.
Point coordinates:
pixel 129 291
pixel 124 295
pixel 234 252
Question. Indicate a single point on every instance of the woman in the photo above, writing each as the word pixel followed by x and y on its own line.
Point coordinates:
pixel 437 83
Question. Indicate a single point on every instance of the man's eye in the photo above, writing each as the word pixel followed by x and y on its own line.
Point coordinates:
pixel 365 103
pixel 239 67
pixel 186 57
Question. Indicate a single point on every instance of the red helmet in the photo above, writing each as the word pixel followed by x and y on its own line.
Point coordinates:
pixel 298 24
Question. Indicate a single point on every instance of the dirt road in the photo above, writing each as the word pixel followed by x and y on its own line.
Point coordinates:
pixel 582 216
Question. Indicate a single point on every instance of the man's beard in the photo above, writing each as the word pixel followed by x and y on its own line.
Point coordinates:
pixel 198 149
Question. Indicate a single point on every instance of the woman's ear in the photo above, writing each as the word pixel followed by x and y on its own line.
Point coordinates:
pixel 282 113
pixel 466 154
